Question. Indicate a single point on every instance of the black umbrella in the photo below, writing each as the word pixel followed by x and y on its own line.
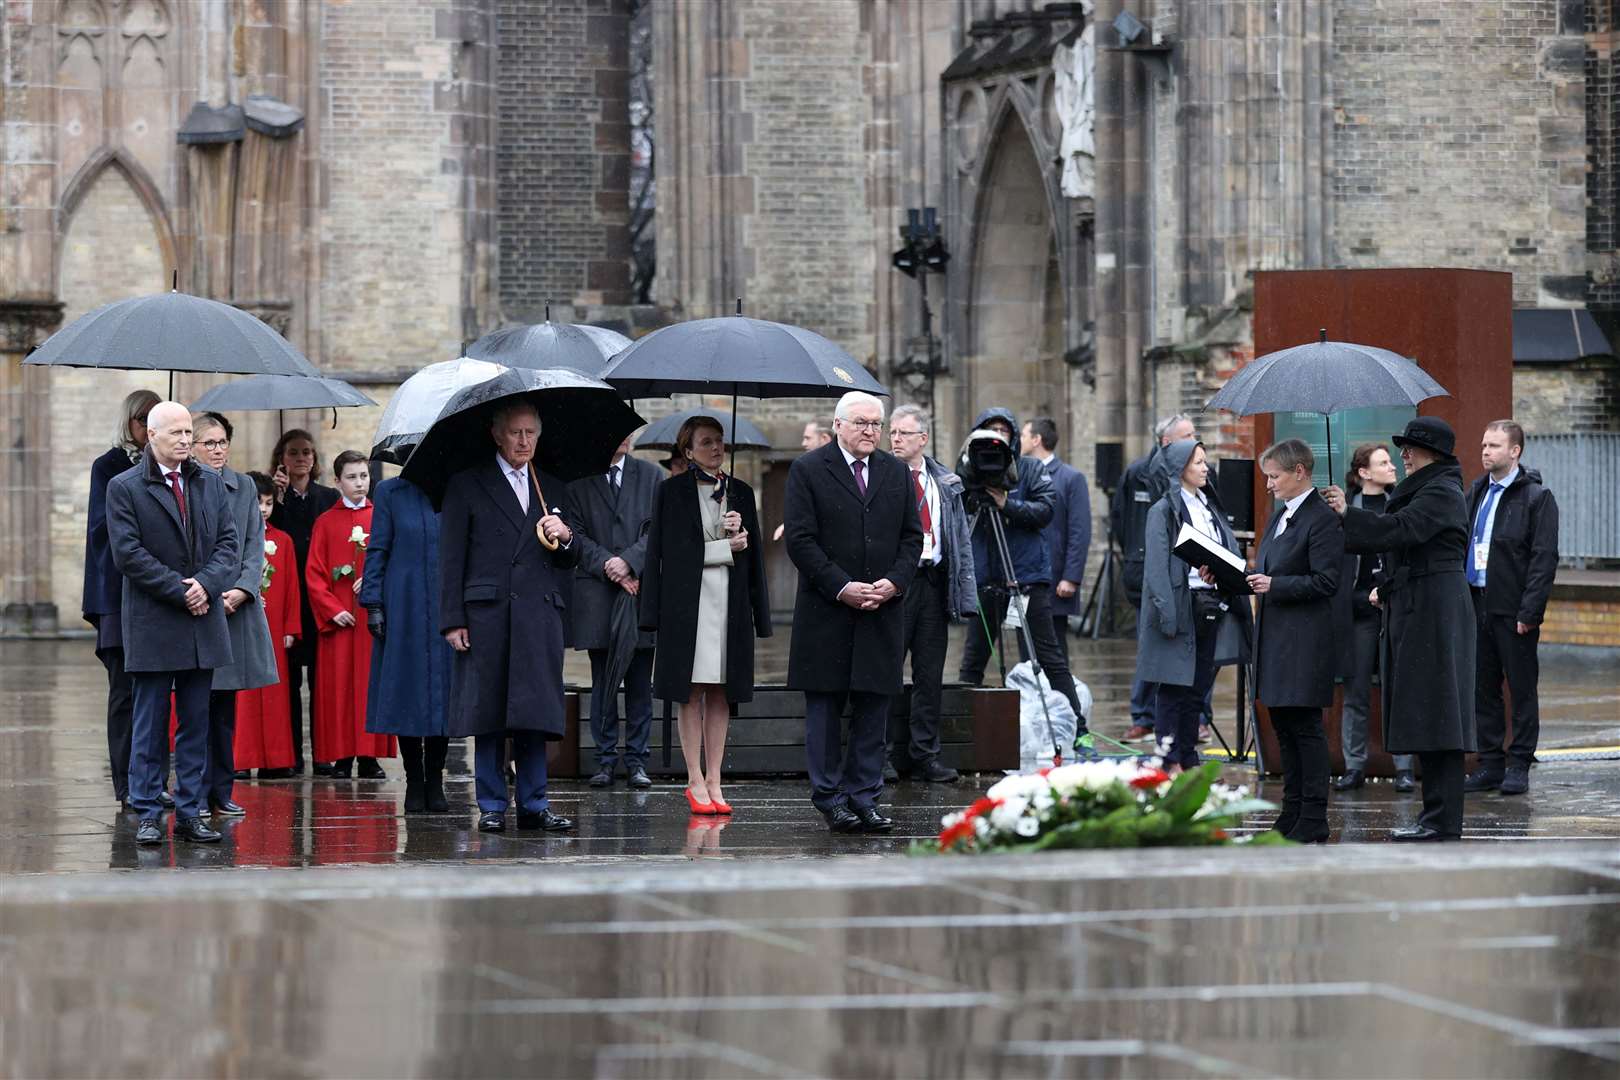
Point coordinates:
pixel 272 393
pixel 737 355
pixel 171 332
pixel 1325 376
pixel 624 633
pixel 660 434
pixel 585 349
pixel 582 422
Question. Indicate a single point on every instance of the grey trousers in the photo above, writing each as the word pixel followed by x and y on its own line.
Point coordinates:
pixel 1357 693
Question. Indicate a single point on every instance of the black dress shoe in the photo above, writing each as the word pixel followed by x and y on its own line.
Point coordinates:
pixel 1351 780
pixel 1403 781
pixel 1516 780
pixel 843 820
pixel 602 778
pixel 544 820
pixel 639 779
pixel 368 769
pixel 148 832
pixel 343 769
pixel 242 774
pixel 165 800
pixel 1483 780
pixel 1315 832
pixel 891 775
pixel 1421 834
pixel 196 830
pixel 935 773
pixel 325 771
pixel 490 821
pixel 872 821
pixel 228 809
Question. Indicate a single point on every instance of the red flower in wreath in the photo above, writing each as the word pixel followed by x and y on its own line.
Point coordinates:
pixel 1150 779
pixel 963 830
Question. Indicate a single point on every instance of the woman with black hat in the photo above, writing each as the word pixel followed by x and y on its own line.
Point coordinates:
pixel 1428 640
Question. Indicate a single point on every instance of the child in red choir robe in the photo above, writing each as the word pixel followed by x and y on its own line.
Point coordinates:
pixel 263 731
pixel 337 556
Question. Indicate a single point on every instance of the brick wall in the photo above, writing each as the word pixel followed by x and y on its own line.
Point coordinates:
pixel 1582 622
pixel 1602 103
pixel 563 157
pixel 1461 140
pixel 1568 397
pixel 392 222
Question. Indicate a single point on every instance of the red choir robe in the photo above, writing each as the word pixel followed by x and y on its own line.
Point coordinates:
pixel 263 717
pixel 342 654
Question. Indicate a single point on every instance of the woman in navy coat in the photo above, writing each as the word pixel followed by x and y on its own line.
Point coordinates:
pixel 104 585
pixel 410 661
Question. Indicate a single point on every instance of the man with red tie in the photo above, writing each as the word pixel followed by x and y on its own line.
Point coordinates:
pixel 175 543
pixel 943 590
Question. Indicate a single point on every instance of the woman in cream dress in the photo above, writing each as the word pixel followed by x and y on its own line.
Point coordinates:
pixel 703 592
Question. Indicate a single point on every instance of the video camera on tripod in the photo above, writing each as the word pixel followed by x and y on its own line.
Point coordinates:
pixel 988 460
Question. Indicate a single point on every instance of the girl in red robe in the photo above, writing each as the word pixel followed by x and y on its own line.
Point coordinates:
pixel 337 555
pixel 263 730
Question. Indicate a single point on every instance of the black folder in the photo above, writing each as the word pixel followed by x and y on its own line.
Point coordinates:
pixel 1196 549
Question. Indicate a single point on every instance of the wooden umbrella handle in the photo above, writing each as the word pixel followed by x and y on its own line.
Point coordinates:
pixel 545 541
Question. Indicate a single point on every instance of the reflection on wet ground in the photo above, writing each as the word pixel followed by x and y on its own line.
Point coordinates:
pixel 650 944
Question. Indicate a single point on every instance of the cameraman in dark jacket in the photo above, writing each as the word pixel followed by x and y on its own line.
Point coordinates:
pixel 1512 557
pixel 1025 510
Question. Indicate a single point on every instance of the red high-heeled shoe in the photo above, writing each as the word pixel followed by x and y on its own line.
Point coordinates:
pixel 722 807
pixel 699 807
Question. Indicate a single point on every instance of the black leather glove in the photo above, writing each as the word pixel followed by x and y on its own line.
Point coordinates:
pixel 374 622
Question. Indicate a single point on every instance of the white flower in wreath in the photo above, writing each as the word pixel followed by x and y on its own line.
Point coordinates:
pixel 1027 827
pixel 270 547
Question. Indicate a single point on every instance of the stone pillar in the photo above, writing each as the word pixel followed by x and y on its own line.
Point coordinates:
pixel 25 471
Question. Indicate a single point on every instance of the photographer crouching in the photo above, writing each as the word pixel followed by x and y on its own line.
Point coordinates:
pixel 997 481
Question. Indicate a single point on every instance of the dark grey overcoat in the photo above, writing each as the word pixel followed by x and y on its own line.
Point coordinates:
pixel 1294 648
pixel 673 582
pixel 155 553
pixel 253 657
pixel 496 580
pixel 834 537
pixel 1427 649
pixel 609 524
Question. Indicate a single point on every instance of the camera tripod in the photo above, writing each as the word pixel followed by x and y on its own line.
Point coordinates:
pixel 1015 596
pixel 1100 604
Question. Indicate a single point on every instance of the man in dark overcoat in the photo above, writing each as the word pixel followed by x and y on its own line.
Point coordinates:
pixel 610 514
pixel 501 610
pixel 855 536
pixel 174 542
pixel 1301 557
pixel 1427 651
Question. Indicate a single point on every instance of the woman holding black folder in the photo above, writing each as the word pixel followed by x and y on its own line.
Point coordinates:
pixel 1188 625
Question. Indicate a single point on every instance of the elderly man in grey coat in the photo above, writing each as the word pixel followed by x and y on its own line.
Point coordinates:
pixel 174 542
pixel 253 657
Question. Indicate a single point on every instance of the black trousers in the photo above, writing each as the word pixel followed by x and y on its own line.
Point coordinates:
pixel 1179 708
pixel 1038 617
pixel 296 670
pixel 1504 653
pixel 1304 748
pixel 845 774
pixel 120 719
pixel 913 744
pixel 221 775
pixel 637 706
pixel 1442 790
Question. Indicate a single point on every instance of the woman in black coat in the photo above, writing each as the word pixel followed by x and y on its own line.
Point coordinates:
pixel 703 592
pixel 104 586
pixel 295 467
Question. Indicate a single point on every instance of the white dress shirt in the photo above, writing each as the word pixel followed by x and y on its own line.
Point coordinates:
pixel 1490 522
pixel 1204 522
pixel 1290 506
pixel 361 505
pixel 518 477
pixel 932 555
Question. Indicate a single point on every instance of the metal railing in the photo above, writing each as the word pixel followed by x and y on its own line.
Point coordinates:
pixel 1582 471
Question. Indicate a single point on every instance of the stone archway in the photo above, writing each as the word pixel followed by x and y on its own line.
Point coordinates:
pixel 1015 311
pixel 112 248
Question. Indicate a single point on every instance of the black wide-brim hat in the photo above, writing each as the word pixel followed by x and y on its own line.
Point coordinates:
pixel 1429 432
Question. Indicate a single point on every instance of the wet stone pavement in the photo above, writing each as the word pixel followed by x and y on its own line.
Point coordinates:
pixel 650 944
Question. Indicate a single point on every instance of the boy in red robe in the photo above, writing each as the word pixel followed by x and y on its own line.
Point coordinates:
pixel 337 555
pixel 263 730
